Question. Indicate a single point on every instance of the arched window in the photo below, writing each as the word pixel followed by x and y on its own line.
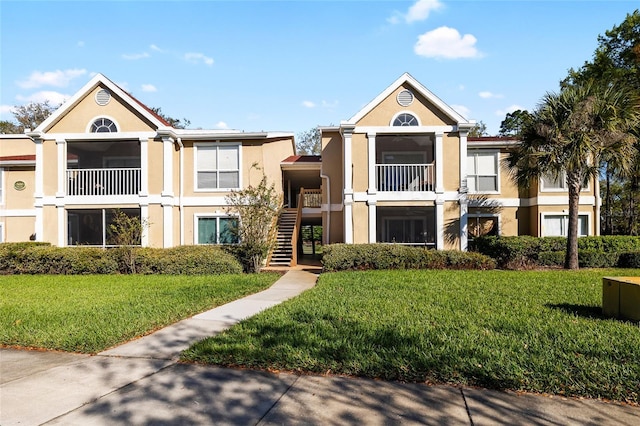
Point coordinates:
pixel 405 119
pixel 103 125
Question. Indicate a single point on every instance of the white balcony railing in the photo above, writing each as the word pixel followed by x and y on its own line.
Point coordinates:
pixel 405 177
pixel 122 181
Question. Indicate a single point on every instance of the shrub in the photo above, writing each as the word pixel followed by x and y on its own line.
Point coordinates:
pixel 186 260
pixel 629 260
pixel 597 259
pixel 341 257
pixel 551 258
pixel 44 259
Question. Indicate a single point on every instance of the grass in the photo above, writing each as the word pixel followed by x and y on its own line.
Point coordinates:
pixel 539 331
pixel 93 312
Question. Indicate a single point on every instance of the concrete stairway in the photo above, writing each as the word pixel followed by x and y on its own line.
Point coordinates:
pixel 283 252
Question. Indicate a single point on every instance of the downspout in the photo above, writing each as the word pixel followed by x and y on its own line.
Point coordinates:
pixel 181 191
pixel 327 233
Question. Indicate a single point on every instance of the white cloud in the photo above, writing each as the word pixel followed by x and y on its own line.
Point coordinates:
pixel 419 11
pixel 490 95
pixel 156 48
pixel 445 42
pixel 196 58
pixel 308 104
pixel 58 78
pixel 54 98
pixel 505 111
pixel 149 88
pixel 6 112
pixel 135 56
pixel 221 125
pixel 330 105
pixel 462 110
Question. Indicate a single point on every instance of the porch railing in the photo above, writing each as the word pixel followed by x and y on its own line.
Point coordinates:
pixel 311 198
pixel 405 177
pixel 91 182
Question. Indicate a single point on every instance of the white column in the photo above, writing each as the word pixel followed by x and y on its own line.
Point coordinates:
pixel 463 161
pixel 371 157
pixel 39 190
pixel 167 225
pixel 347 133
pixel 144 166
pixel 464 210
pixel 62 235
pixel 439 160
pixel 372 221
pixel 439 223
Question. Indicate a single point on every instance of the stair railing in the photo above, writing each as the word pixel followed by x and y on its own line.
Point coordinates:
pixel 273 230
pixel 296 229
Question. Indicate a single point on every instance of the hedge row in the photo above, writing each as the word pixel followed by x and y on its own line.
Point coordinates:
pixel 341 257
pixel 526 251
pixel 42 258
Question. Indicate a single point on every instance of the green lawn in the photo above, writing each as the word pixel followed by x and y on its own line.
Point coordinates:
pixel 538 331
pixel 94 312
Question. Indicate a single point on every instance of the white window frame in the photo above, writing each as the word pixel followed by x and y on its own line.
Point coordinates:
pixel 98 117
pixel 1 232
pixel 196 146
pixel 471 156
pixel 217 216
pixel 413 114
pixel 563 180
pixel 2 191
pixel 491 215
pixel 544 215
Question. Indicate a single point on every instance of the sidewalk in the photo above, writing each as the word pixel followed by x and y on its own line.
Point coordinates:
pixel 141 383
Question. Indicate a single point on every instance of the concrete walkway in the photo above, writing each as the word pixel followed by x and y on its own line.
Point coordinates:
pixel 140 382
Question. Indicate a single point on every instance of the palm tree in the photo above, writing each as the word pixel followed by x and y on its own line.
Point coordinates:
pixel 569 135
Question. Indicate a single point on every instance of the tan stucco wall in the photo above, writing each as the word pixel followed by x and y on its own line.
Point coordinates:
pixel 451 156
pixel 14 199
pixel 155 231
pixel 332 165
pixel 426 112
pixel 50 169
pixel 10 146
pixel 359 155
pixel 50 220
pixel 360 223
pixel 451 225
pixel 18 229
pixel 155 169
pixel 87 110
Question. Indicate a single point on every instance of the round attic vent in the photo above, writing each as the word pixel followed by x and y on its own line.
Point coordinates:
pixel 103 97
pixel 405 98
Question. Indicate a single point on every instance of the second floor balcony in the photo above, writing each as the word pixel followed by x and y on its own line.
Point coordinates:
pixel 405 177
pixel 98 182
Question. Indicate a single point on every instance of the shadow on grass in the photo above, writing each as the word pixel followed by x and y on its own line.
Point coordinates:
pixel 584 311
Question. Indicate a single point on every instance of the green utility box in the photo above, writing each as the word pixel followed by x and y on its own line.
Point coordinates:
pixel 621 297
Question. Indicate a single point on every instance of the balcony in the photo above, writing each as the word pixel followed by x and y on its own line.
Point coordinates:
pixel 405 177
pixel 98 182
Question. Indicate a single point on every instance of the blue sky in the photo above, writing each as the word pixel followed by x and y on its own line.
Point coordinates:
pixel 292 65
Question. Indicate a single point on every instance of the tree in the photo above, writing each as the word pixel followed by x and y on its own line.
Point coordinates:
pixel 309 142
pixel 258 208
pixel 617 61
pixel 126 232
pixel 569 134
pixel 176 123
pixel 480 129
pixel 28 117
pixel 514 122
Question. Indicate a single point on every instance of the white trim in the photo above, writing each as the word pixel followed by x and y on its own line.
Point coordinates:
pixel 463 162
pixel 195 165
pixel 439 224
pixel 565 214
pixel 496 154
pixel 564 189
pixel 372 221
pixel 399 113
pixel 3 192
pixel 464 218
pixel 62 229
pixel 496 215
pixel 98 117
pixel 549 200
pixel 418 87
pixel 86 137
pixel 1 232
pixel 401 130
pixel 439 162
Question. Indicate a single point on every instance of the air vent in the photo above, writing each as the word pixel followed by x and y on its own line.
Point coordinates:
pixel 405 98
pixel 103 97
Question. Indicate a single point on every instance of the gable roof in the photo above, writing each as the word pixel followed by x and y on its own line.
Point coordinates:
pixel 406 78
pixel 97 80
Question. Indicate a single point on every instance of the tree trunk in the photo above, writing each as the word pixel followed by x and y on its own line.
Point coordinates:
pixel 571 259
pixel 608 219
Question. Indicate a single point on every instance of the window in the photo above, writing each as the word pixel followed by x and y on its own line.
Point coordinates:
pixel 92 227
pixel 103 125
pixel 216 230
pixel 217 166
pixel 549 184
pixel 405 119
pixel 482 171
pixel 557 225
pixel 480 226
